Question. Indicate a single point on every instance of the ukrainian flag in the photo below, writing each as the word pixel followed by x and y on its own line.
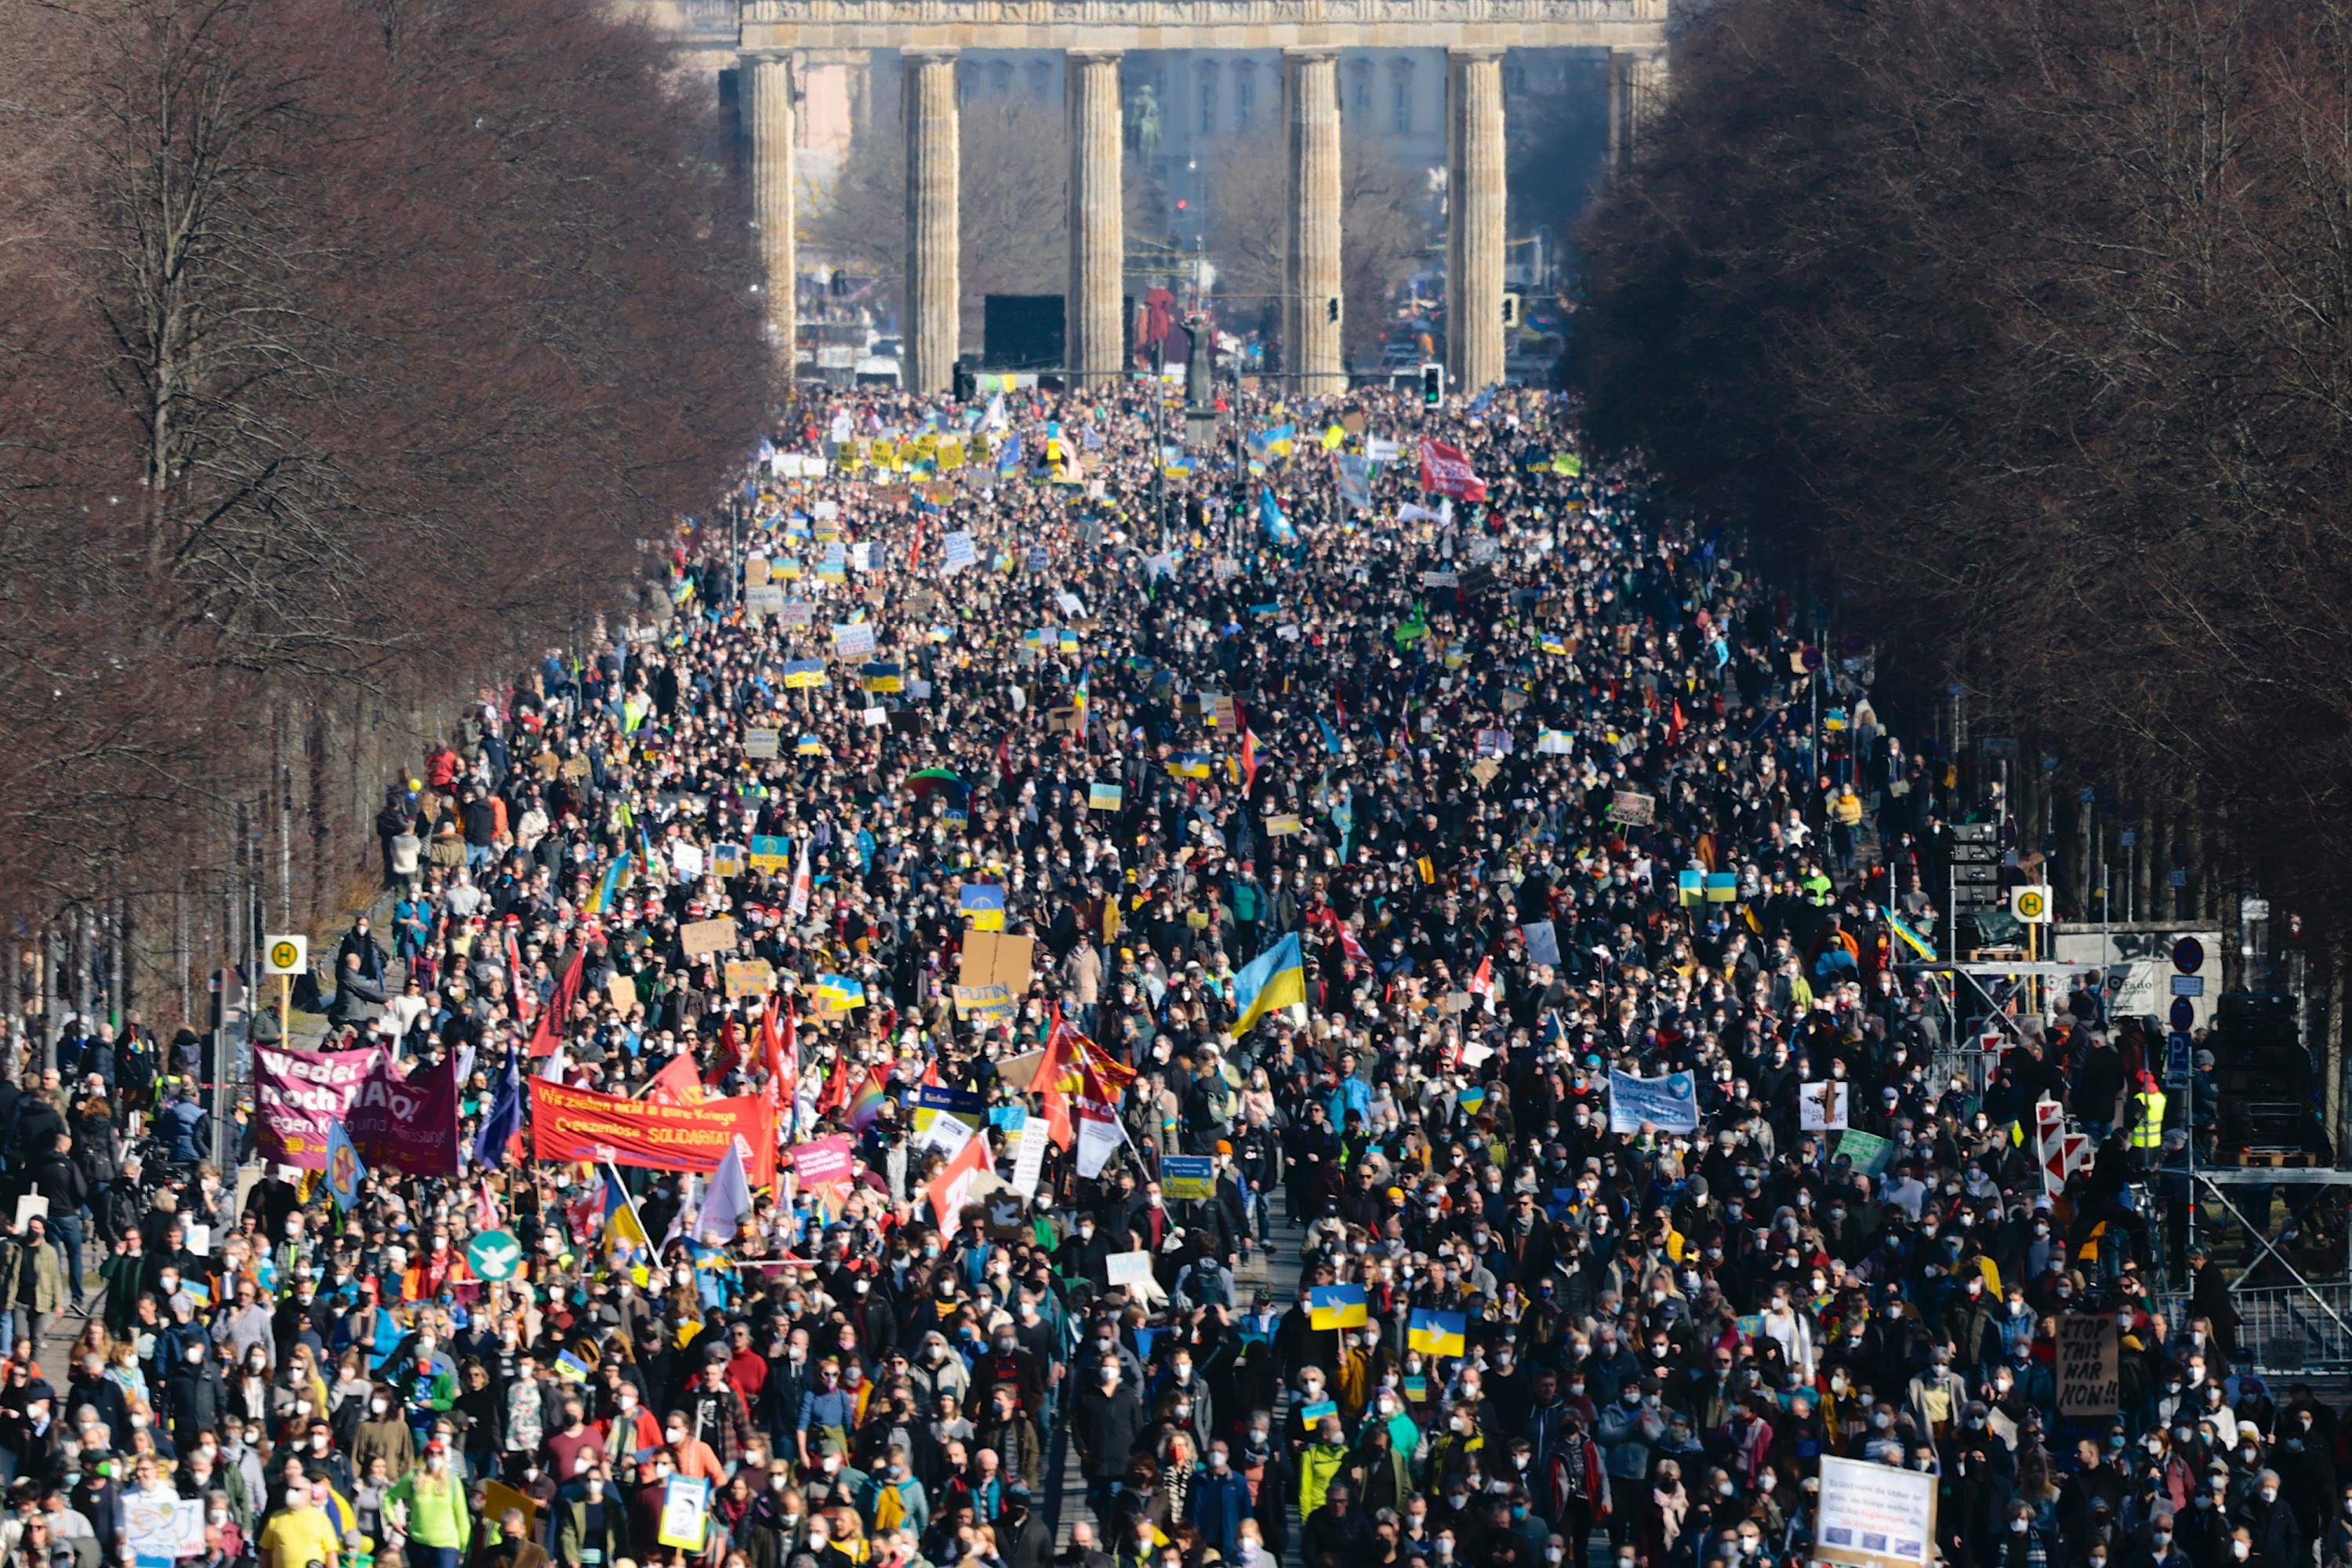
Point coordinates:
pixel 1691 885
pixel 602 899
pixel 1722 887
pixel 985 902
pixel 1337 1307
pixel 1106 796
pixel 1438 1333
pixel 839 992
pixel 1919 945
pixel 1275 978
pixel 620 1227
pixel 1189 766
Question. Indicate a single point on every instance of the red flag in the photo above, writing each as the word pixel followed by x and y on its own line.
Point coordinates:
pixel 1249 759
pixel 1674 725
pixel 836 1087
pixel 949 1190
pixel 1049 1087
pixel 729 1053
pixel 779 1047
pixel 549 1032
pixel 677 1084
pixel 1446 471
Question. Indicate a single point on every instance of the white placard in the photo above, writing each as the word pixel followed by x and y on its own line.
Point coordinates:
pixel 1030 1162
pixel 1127 1268
pixel 1874 1514
pixel 1821 1107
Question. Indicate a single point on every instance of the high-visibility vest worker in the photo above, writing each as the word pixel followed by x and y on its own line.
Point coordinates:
pixel 2148 1126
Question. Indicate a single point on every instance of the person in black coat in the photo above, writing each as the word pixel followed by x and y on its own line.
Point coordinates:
pixel 194 1397
pixel 1022 1538
pixel 1105 1423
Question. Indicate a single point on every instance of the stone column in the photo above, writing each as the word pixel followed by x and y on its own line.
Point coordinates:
pixel 1619 82
pixel 1310 274
pixel 766 81
pixel 1095 306
pixel 1637 91
pixel 1474 219
pixel 934 237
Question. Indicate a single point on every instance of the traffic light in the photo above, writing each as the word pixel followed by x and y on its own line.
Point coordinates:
pixel 1331 308
pixel 1510 312
pixel 1432 385
pixel 962 382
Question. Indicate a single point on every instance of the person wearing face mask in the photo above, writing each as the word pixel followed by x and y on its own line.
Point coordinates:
pixel 2019 1543
pixel 384 1434
pixel 894 1499
pixel 432 1500
pixel 1105 1423
pixel 590 1523
pixel 2270 1524
pixel 515 1548
pixel 197 1396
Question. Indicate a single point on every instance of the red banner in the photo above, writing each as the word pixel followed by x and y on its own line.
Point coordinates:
pixel 300 1096
pixel 580 1124
pixel 1446 471
pixel 407 1123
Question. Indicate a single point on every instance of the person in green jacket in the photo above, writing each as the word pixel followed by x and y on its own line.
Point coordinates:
pixel 1319 1464
pixel 438 1522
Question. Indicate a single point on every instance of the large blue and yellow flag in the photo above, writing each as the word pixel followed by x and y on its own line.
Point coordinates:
pixel 1189 766
pixel 1275 978
pixel 602 900
pixel 620 1224
pixel 1438 1333
pixel 1337 1307
pixel 1919 944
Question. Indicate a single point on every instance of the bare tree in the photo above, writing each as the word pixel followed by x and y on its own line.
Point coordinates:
pixel 1387 222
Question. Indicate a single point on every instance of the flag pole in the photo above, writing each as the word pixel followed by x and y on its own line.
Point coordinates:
pixel 636 1213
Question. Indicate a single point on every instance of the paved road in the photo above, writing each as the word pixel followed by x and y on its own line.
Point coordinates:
pixel 1274 1268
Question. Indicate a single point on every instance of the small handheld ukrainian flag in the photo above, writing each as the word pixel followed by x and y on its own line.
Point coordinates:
pixel 1438 1333
pixel 839 992
pixel 1275 978
pixel 1337 1307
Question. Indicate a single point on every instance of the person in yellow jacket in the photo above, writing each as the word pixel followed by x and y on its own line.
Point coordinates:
pixel 1319 1464
pixel 2148 1105
pixel 436 1518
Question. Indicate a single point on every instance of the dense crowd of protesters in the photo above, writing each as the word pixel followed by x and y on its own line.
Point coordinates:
pixel 1472 754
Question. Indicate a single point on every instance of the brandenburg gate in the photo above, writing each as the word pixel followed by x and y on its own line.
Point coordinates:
pixel 1093 36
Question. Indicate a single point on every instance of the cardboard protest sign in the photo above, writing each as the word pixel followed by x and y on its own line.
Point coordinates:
pixel 703 937
pixel 2089 1370
pixel 992 958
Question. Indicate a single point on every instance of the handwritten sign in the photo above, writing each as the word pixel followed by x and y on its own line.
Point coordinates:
pixel 2090 1379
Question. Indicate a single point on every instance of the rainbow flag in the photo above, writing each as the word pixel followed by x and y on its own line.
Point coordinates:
pixel 866 1105
pixel 1078 706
